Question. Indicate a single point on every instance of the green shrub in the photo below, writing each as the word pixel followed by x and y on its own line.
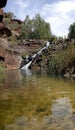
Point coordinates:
pixel 61 60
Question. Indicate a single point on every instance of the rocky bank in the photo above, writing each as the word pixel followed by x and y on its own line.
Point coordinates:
pixel 11 55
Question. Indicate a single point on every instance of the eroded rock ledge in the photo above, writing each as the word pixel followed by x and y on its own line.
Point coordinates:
pixel 9 60
pixel 3 29
pixel 11 54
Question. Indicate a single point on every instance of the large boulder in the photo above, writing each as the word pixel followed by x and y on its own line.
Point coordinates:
pixel 1 15
pixel 3 3
pixel 5 30
pixel 9 59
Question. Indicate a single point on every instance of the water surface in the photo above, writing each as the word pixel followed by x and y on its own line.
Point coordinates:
pixel 36 101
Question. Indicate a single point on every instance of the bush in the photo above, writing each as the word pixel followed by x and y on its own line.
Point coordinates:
pixel 61 60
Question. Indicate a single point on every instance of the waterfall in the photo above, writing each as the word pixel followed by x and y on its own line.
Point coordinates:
pixel 47 45
pixel 29 59
pixel 26 66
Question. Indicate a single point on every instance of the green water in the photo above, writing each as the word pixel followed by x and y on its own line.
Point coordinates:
pixel 36 101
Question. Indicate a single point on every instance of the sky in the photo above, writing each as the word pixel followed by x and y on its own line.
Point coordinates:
pixel 59 13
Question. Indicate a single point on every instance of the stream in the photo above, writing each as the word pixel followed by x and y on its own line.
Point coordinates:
pixel 27 61
pixel 36 101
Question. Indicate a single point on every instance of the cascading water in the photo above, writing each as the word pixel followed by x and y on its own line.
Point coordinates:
pixel 26 66
pixel 29 59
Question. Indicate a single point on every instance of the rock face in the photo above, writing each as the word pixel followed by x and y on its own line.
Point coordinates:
pixel 11 54
pixel 3 3
pixel 9 60
pixel 3 29
pixel 1 15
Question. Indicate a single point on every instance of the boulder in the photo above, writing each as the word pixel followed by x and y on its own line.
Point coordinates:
pixel 5 30
pixel 1 15
pixel 3 3
pixel 1 18
pixel 11 61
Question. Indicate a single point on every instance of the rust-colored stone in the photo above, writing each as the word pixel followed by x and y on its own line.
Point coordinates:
pixel 1 18
pixel 1 15
pixel 11 61
pixel 16 20
pixel 1 11
pixel 4 30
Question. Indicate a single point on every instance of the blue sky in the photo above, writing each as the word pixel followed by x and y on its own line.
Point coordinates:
pixel 59 13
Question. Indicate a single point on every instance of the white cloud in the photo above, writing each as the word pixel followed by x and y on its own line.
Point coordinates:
pixel 22 4
pixel 59 15
pixel 18 7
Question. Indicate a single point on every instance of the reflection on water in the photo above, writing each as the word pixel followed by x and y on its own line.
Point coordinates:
pixel 62 107
pixel 34 101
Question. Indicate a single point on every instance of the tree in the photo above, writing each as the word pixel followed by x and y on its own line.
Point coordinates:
pixel 71 33
pixel 41 28
pixel 8 21
pixel 9 15
pixel 35 28
pixel 26 26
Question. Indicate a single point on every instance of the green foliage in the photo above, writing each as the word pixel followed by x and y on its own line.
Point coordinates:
pixel 2 67
pixel 35 28
pixel 13 25
pixel 61 60
pixel 53 38
pixel 41 29
pixel 2 70
pixel 71 33
pixel 8 21
pixel 9 15
pixel 12 40
pixel 26 27
pixel 2 79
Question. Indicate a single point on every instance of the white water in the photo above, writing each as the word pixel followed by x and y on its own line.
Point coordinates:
pixel 26 66
pixel 34 56
pixel 47 45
